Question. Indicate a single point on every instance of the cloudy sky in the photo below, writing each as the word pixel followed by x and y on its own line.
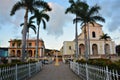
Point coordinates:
pixel 60 27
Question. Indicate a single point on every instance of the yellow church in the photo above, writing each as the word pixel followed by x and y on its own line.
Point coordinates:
pixel 99 48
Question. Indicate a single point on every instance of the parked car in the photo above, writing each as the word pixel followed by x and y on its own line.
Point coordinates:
pixel 45 61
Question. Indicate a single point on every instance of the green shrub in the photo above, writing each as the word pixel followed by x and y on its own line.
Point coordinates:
pixel 81 61
pixel 14 63
pixel 103 62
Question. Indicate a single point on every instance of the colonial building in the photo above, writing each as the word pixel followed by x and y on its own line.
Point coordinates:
pixel 16 47
pixel 98 47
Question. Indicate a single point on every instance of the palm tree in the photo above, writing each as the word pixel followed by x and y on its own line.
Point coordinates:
pixel 75 8
pixel 89 16
pixel 33 27
pixel 29 25
pixel 40 16
pixel 29 6
pixel 105 37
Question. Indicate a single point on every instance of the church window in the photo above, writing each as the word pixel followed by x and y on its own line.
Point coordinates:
pixel 93 34
pixel 69 47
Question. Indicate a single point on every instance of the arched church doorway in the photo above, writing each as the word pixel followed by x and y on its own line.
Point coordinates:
pixel 107 49
pixel 95 49
pixel 82 49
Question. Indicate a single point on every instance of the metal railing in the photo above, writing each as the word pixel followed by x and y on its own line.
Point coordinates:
pixel 89 72
pixel 20 72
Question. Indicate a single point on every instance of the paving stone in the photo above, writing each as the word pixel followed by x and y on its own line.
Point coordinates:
pixel 52 72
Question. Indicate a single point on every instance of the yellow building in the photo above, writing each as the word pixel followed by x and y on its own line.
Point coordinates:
pixel 97 45
pixel 16 46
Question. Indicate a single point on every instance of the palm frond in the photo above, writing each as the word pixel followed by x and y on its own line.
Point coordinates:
pixel 105 37
pixel 46 17
pixel 71 1
pixel 98 18
pixel 43 5
pixel 16 7
pixel 32 17
pixel 93 10
pixel 44 24
pixel 40 16
pixel 71 9
pixel 77 20
pixel 33 27
pixel 92 22
pixel 76 7
pixel 21 24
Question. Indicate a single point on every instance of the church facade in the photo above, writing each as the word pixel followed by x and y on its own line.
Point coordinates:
pixel 99 48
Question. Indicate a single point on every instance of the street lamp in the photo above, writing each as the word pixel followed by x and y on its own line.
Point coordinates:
pixel 56 59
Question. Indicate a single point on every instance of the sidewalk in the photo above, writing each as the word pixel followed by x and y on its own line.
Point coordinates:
pixel 52 72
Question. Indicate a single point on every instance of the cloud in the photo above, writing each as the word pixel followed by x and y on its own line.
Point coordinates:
pixel 110 10
pixel 55 26
pixel 4 9
pixel 58 20
pixel 5 18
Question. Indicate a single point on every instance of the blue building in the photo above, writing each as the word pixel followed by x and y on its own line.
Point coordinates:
pixel 3 52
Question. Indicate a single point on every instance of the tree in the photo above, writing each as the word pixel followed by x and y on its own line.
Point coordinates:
pixel 75 8
pixel 40 16
pixel 33 27
pixel 89 16
pixel 29 6
pixel 29 25
pixel 105 37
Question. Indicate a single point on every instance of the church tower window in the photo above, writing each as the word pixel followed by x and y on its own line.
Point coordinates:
pixel 93 34
pixel 69 47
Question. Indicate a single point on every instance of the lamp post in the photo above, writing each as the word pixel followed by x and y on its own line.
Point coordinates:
pixel 56 59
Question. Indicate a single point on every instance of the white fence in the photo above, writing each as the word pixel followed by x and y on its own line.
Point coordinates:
pixel 20 72
pixel 89 72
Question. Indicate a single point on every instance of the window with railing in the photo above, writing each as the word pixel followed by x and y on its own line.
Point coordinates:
pixel 30 44
pixel 13 44
pixel 19 45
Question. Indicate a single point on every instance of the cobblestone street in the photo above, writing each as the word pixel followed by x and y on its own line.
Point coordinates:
pixel 52 72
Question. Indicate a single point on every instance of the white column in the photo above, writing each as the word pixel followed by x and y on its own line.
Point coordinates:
pixel 114 52
pixel 111 52
pixel 91 48
pixel 64 51
pixel 40 52
pixel 43 51
pixel 103 49
pixel 98 48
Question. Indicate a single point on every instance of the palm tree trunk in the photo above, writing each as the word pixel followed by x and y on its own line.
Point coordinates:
pixel 24 35
pixel 37 42
pixel 76 40
pixel 86 45
pixel 27 43
pixel 88 41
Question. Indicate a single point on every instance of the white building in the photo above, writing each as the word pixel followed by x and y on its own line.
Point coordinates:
pixel 97 45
